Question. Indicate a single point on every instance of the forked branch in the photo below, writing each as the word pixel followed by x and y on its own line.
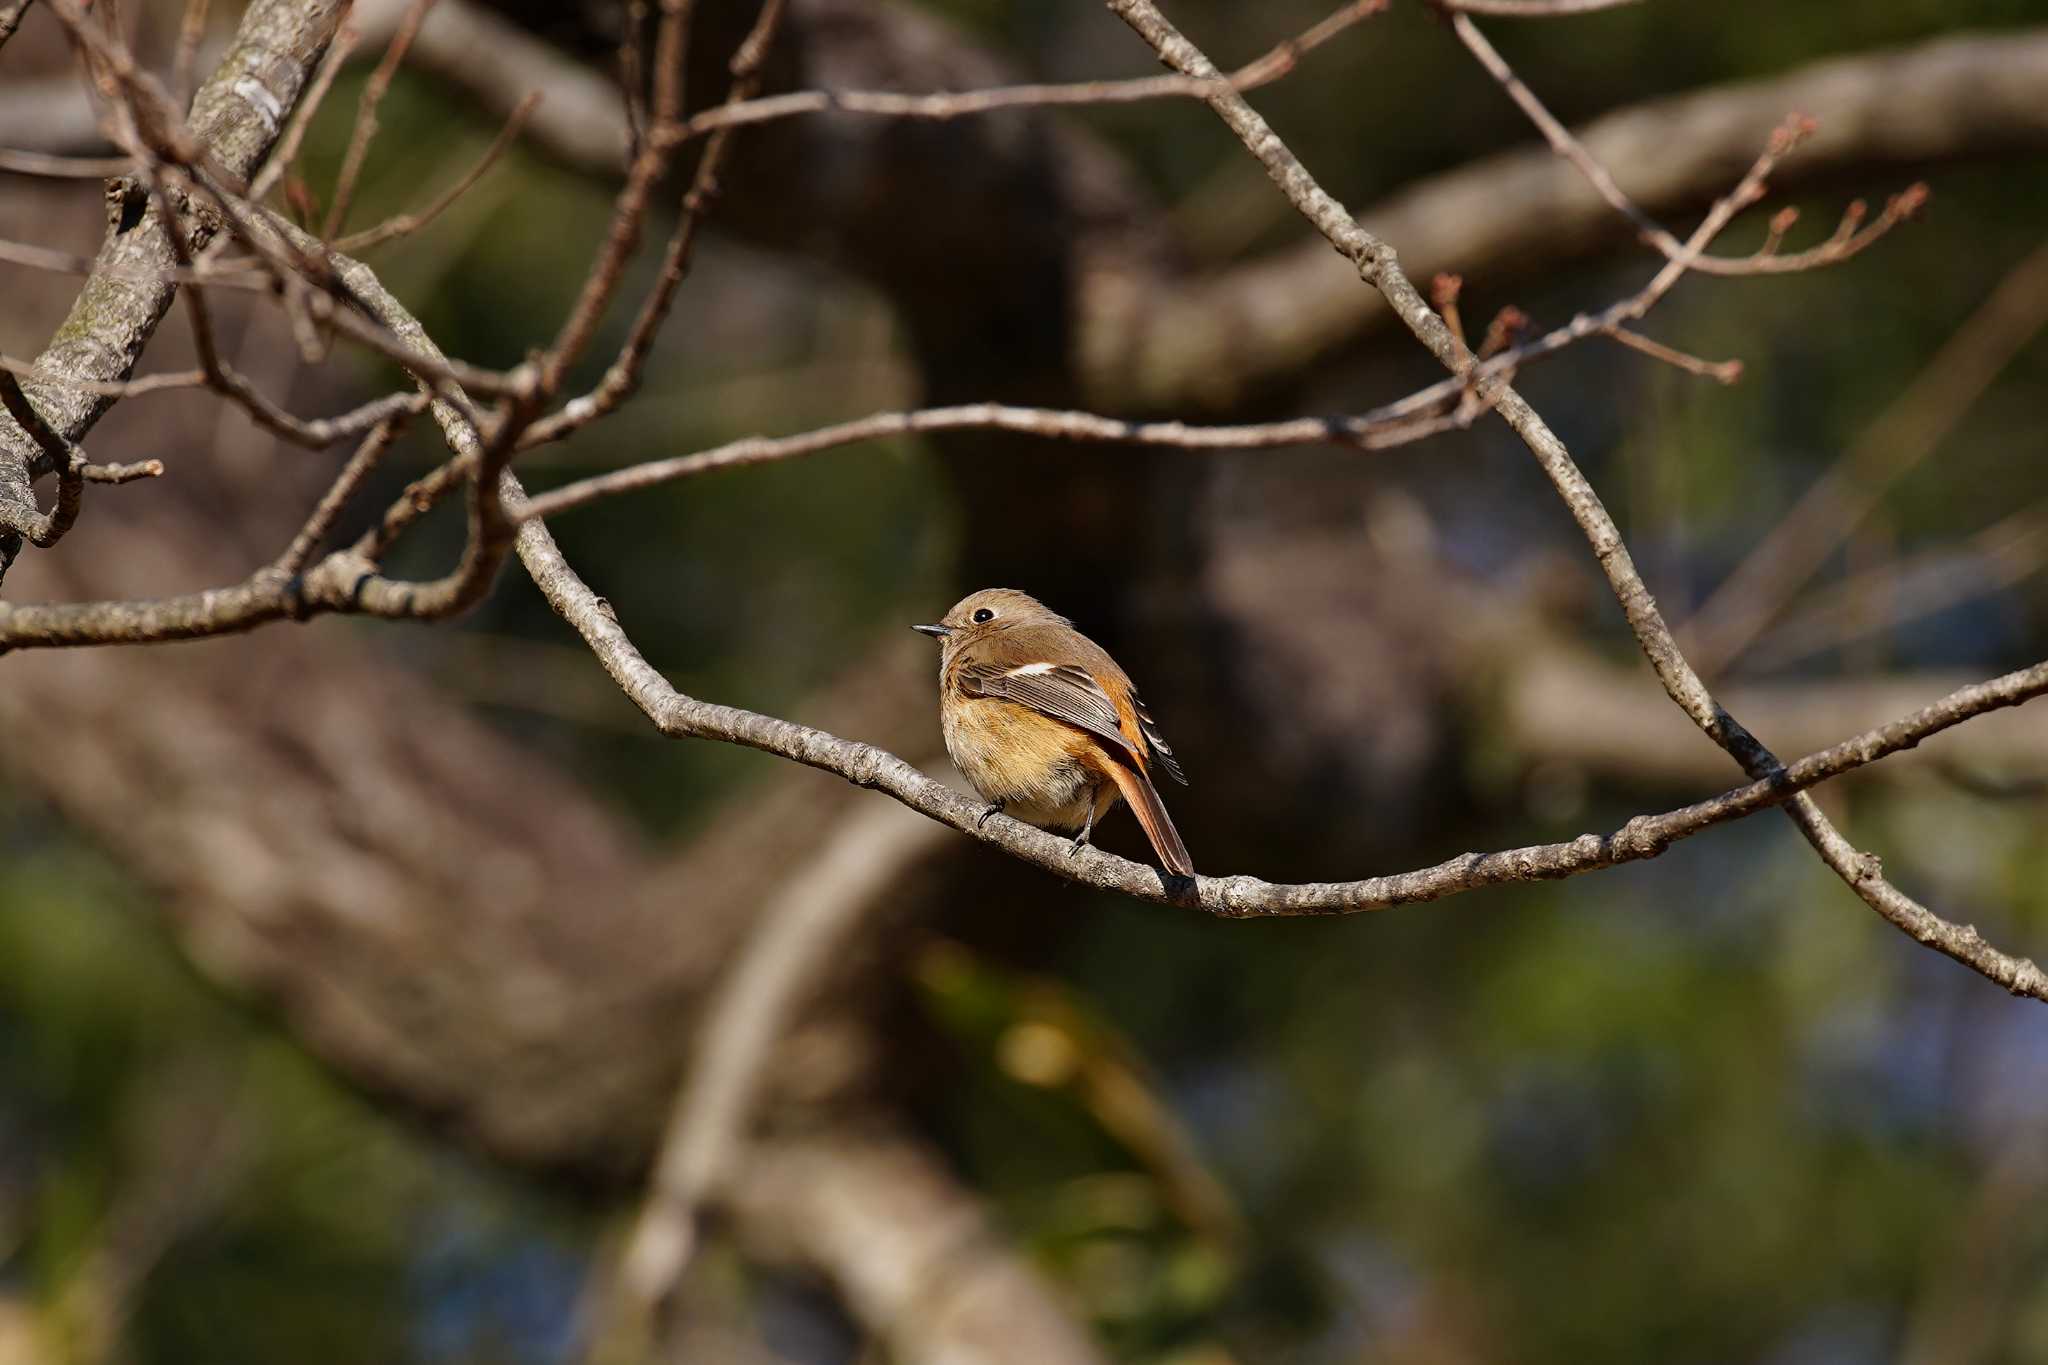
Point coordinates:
pixel 1377 267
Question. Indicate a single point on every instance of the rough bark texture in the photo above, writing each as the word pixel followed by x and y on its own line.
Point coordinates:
pixel 236 115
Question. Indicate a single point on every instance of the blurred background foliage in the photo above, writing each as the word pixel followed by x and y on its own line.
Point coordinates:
pixel 1703 1109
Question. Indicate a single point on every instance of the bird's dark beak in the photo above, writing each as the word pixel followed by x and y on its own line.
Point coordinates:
pixel 936 632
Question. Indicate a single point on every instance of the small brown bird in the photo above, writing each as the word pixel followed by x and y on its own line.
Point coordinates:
pixel 1045 725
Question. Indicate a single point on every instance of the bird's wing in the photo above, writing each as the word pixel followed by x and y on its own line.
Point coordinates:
pixel 1063 691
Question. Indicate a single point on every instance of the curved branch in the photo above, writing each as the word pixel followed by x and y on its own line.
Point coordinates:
pixel 235 120
pixel 1376 264
pixel 347 582
pixel 1155 341
pixel 940 106
pixel 1160 347
pixel 1371 431
pixel 1238 897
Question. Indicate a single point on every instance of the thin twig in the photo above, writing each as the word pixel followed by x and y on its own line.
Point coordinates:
pixel 224 378
pixel 941 106
pixel 1849 238
pixel 1725 371
pixel 416 500
pixel 287 150
pixel 1363 433
pixel 1509 323
pixel 1240 897
pixel 633 75
pixel 119 307
pixel 629 208
pixel 365 130
pixel 123 473
pixel 191 29
pixel 402 224
pixel 367 454
pixel 64 167
pixel 315 433
pixel 1443 295
pixel 622 377
pixel 106 388
pixel 65 263
pixel 1378 267
pixel 1501 365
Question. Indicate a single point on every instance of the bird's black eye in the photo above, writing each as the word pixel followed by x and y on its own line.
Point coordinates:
pixel 983 614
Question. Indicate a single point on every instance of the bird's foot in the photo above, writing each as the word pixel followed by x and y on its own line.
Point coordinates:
pixel 1087 828
pixel 995 808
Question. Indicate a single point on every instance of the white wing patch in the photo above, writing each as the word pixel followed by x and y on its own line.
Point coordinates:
pixel 1025 670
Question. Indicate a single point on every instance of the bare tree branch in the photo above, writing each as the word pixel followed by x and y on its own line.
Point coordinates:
pixel 1264 70
pixel 119 388
pixel 358 468
pixel 64 167
pixel 365 130
pixel 622 376
pixel 1365 433
pixel 581 122
pixel 1241 896
pixel 403 224
pixel 1847 240
pixel 347 580
pixel 1376 265
pixel 234 117
pixel 893 1219
pixel 191 30
pixel 344 584
pixel 66 263
pixel 1721 371
pixel 1153 344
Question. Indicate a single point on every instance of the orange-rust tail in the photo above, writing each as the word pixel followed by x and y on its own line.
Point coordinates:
pixel 1151 812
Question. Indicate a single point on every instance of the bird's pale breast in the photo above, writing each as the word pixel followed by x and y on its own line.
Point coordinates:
pixel 1032 764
